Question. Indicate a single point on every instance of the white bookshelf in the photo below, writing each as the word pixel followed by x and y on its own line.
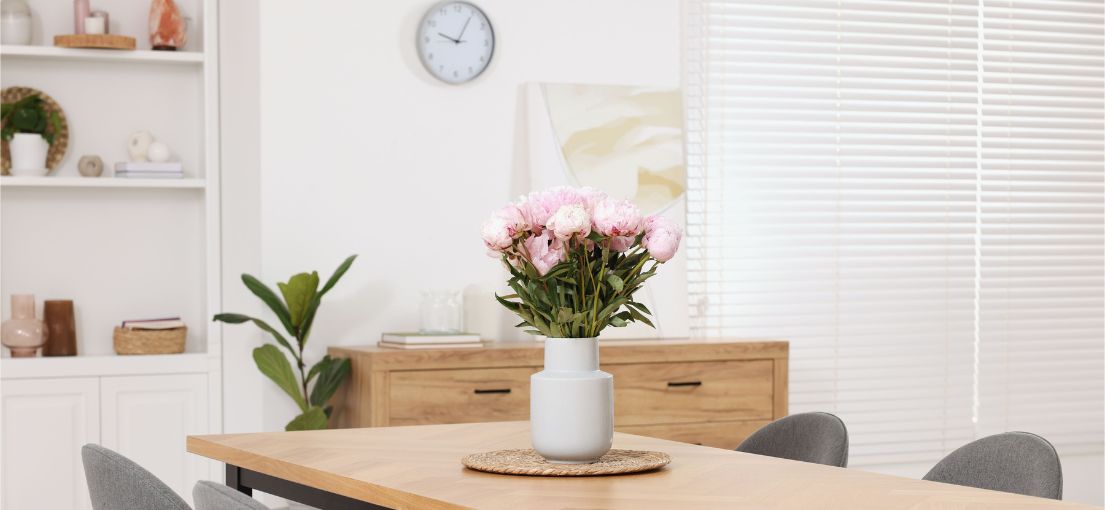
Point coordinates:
pixel 95 55
pixel 100 182
pixel 119 248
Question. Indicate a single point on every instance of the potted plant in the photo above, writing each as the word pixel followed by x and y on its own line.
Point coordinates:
pixel 576 257
pixel 296 313
pixel 30 131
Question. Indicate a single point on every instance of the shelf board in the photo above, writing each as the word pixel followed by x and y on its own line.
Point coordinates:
pixel 104 55
pixel 106 365
pixel 98 182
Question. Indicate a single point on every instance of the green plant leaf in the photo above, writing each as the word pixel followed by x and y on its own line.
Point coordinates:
pixel 338 273
pixel 266 295
pixel 330 377
pixel 312 310
pixel 298 293
pixel 312 419
pixel 237 318
pixel 615 282
pixel 271 362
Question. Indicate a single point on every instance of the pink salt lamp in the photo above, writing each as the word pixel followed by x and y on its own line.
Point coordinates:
pixel 166 26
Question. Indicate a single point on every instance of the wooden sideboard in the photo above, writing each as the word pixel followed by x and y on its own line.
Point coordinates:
pixel 710 392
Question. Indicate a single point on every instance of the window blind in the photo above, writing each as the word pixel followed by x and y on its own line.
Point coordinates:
pixel 836 189
pixel 1042 280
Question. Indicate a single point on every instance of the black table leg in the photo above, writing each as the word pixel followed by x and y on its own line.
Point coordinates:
pixel 245 481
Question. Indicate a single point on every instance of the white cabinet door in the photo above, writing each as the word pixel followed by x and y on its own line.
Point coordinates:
pixel 147 418
pixel 44 424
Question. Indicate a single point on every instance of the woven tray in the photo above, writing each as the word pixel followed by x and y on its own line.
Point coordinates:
pixel 149 341
pixel 528 462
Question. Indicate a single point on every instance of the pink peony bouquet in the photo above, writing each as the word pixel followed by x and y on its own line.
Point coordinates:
pixel 576 256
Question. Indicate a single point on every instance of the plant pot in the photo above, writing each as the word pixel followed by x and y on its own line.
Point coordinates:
pixel 571 403
pixel 28 151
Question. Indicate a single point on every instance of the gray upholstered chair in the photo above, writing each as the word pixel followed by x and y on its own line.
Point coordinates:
pixel 1016 462
pixel 820 438
pixel 118 483
pixel 215 496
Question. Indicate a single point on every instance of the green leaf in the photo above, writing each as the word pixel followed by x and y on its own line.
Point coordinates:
pixel 615 281
pixel 312 310
pixel 639 316
pixel 338 273
pixel 312 419
pixel 271 362
pixel 271 300
pixel 639 306
pixel 298 293
pixel 237 318
pixel 330 377
pixel 617 322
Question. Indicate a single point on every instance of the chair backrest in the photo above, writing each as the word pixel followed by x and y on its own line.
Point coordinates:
pixel 118 483
pixel 820 438
pixel 1016 462
pixel 214 496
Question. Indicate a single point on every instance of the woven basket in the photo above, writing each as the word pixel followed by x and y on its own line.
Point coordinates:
pixel 149 341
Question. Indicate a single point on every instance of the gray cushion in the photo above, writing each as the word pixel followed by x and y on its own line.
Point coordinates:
pixel 117 483
pixel 214 496
pixel 1016 462
pixel 820 438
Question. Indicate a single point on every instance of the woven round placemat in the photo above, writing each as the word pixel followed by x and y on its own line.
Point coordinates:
pixel 61 139
pixel 528 462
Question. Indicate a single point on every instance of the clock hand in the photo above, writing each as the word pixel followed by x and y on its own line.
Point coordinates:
pixel 449 38
pixel 462 29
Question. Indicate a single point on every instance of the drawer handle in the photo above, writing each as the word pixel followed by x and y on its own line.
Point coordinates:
pixel 485 392
pixel 684 384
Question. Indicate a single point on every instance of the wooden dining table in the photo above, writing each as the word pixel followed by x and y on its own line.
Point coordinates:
pixel 419 467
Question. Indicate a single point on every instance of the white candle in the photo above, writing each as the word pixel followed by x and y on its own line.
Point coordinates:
pixel 94 25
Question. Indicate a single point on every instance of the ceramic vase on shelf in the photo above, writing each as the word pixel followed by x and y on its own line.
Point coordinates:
pixel 61 330
pixel 23 333
pixel 29 152
pixel 571 403
pixel 15 22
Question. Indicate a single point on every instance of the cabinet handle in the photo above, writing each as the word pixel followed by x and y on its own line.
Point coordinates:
pixel 684 383
pixel 484 392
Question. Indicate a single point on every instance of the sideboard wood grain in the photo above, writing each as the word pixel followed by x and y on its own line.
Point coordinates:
pixel 712 392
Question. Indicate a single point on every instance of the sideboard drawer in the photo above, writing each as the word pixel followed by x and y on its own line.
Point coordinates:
pixel 719 434
pixel 459 396
pixel 701 391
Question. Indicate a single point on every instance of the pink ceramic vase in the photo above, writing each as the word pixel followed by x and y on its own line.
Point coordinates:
pixel 23 333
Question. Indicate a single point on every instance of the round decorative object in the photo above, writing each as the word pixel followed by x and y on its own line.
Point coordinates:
pixel 529 463
pixel 57 150
pixel 158 152
pixel 455 41
pixel 139 145
pixel 90 166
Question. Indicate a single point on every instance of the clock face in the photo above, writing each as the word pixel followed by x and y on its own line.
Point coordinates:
pixel 455 41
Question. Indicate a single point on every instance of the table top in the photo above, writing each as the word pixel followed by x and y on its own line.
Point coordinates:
pixel 419 467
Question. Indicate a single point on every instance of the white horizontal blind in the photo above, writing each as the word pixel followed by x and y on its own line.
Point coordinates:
pixel 1041 287
pixel 832 200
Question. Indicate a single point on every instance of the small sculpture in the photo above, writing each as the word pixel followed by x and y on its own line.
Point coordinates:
pixel 90 166
pixel 167 30
pixel 139 145
pixel 23 333
pixel 158 152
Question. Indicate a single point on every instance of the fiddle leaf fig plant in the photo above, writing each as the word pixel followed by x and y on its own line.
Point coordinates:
pixel 295 308
pixel 29 115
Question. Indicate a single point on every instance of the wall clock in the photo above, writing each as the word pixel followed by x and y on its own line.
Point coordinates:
pixel 455 41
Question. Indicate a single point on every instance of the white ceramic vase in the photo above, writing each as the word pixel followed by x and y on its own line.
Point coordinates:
pixel 28 152
pixel 571 403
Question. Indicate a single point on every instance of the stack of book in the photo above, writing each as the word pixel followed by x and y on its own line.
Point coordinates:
pixel 166 323
pixel 149 170
pixel 430 341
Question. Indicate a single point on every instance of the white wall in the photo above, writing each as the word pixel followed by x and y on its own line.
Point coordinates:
pixel 363 152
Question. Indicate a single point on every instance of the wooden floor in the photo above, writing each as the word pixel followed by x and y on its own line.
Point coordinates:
pixel 419 467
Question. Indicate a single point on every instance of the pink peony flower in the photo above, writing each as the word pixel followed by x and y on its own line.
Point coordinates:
pixel 544 252
pixel 591 197
pixel 570 221
pixel 617 218
pixel 538 207
pixel 662 238
pixel 515 220
pixel 621 244
pixel 496 234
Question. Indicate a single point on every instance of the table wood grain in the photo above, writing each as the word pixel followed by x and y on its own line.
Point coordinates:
pixel 419 467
